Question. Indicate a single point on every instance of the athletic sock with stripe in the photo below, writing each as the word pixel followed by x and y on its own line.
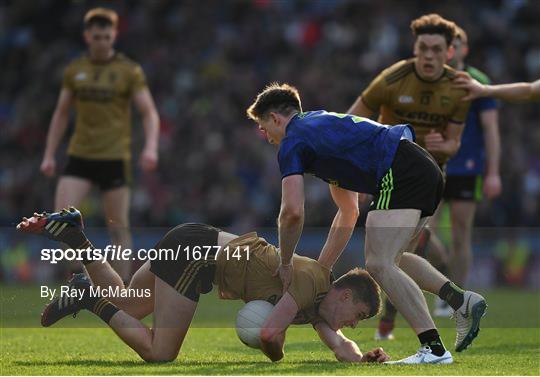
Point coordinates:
pixel 100 306
pixel 452 294
pixel 432 339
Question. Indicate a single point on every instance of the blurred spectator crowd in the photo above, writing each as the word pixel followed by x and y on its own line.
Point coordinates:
pixel 206 60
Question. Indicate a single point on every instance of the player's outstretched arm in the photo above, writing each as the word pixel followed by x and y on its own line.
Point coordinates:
pixel 56 131
pixel 519 91
pixel 273 331
pixel 290 223
pixel 145 104
pixel 342 226
pixel 345 349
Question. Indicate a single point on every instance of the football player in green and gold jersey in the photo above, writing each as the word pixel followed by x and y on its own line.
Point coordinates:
pixel 242 267
pixel 419 91
pixel 100 85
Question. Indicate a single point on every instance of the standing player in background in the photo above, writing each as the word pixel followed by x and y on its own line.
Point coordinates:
pixel 419 91
pixel 100 85
pixel 478 156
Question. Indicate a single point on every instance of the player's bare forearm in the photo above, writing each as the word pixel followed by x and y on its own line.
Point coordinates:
pixel 490 124
pixel 56 132
pixel 273 331
pixel 151 130
pixel 344 349
pixel 492 186
pixel 272 345
pixel 145 104
pixel 348 351
pixel 520 91
pixel 342 226
pixel 338 237
pixel 291 215
pixel 59 122
pixel 290 223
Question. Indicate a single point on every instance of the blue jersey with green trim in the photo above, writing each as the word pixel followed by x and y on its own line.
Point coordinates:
pixel 471 157
pixel 344 150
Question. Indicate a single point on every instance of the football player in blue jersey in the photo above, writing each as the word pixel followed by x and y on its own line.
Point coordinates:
pixel 357 155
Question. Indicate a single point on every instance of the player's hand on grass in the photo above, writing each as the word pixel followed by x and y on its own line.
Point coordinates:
pixel 284 271
pixel 434 142
pixel 376 355
pixel 492 186
pixel 464 81
pixel 48 166
pixel 148 160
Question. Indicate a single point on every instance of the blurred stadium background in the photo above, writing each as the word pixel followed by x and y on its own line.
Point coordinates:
pixel 205 61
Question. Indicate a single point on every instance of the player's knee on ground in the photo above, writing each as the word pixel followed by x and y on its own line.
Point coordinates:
pixel 151 356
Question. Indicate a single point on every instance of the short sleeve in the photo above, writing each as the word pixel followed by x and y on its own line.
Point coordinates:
pixel 302 290
pixel 138 80
pixel 293 157
pixel 67 78
pixel 375 95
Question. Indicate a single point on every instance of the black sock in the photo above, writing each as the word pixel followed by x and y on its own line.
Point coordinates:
pixel 74 238
pixel 390 311
pixel 432 339
pixel 452 294
pixel 78 241
pixel 100 306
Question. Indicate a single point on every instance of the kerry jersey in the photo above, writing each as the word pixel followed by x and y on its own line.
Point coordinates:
pixel 401 96
pixel 102 93
pixel 250 276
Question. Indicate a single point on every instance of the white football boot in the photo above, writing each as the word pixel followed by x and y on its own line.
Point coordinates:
pixel 468 318
pixel 424 356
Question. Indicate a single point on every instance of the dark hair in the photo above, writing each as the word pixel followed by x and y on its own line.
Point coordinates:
pixel 101 17
pixel 434 24
pixel 461 35
pixel 281 98
pixel 364 288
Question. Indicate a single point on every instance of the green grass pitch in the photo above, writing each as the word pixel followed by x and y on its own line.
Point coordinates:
pixel 508 344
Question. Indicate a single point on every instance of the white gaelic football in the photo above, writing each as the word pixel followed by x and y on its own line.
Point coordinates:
pixel 250 320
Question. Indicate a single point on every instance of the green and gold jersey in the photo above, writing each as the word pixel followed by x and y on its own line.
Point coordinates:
pixel 401 96
pixel 249 277
pixel 102 95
